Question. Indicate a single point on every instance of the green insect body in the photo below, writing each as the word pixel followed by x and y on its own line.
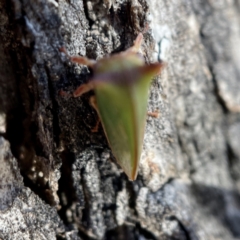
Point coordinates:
pixel 121 84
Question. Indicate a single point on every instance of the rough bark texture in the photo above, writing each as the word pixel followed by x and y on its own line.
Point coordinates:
pixel 63 182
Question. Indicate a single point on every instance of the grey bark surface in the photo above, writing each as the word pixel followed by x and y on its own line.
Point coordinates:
pixel 59 180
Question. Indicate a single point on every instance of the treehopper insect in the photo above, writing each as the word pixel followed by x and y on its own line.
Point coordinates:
pixel 121 83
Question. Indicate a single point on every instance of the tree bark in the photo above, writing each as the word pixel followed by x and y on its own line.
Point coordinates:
pixel 59 180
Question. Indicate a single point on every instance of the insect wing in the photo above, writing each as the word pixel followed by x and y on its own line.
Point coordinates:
pixel 122 109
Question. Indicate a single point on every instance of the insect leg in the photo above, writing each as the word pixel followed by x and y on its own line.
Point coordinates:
pixel 83 60
pixel 78 59
pixel 154 114
pixel 83 89
pixel 93 103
